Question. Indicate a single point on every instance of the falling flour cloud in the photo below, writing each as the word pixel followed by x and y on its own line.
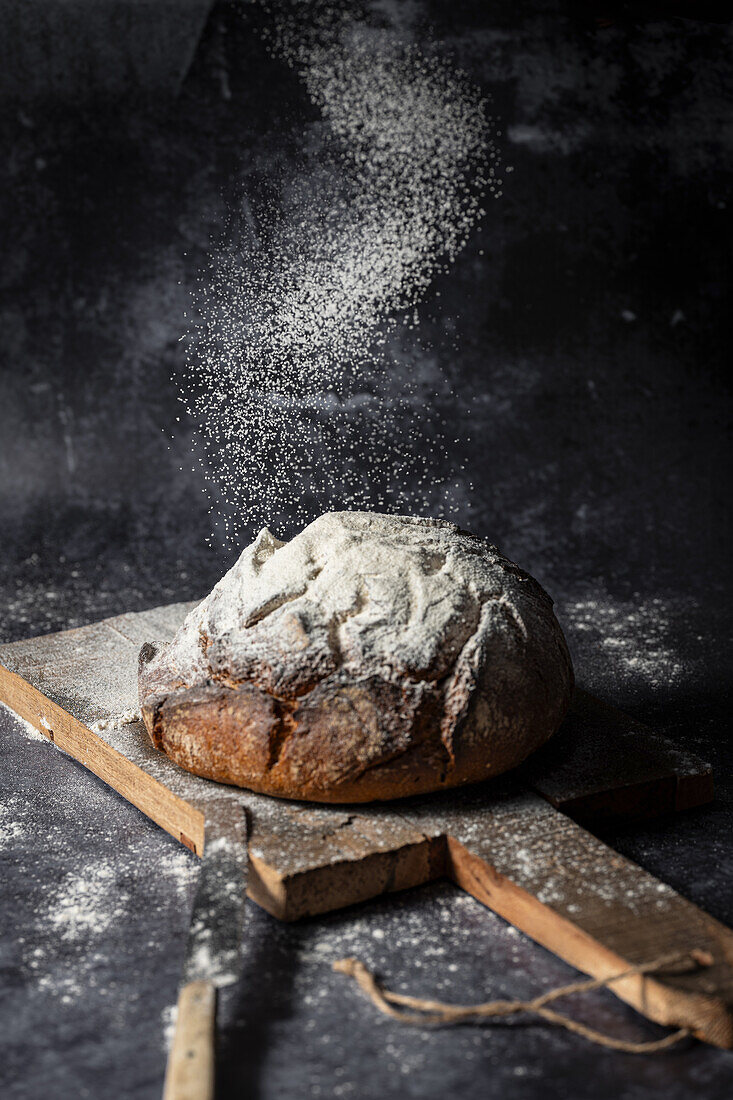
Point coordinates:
pixel 301 399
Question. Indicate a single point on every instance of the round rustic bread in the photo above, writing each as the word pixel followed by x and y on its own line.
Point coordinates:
pixel 371 657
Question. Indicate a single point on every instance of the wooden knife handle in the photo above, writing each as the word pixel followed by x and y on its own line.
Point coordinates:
pixel 189 1074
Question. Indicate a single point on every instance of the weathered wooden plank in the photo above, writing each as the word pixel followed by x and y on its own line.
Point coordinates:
pixel 503 844
pixel 601 763
pixel 570 892
pixel 314 859
pixel 92 671
pixel 124 772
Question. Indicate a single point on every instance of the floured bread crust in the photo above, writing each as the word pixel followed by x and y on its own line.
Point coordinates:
pixel 372 657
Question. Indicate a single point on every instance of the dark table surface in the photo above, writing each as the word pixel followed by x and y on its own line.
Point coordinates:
pixel 583 333
pixel 96 900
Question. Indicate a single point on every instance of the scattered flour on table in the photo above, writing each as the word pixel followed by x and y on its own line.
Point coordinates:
pixel 81 920
pixel 12 827
pixel 24 727
pixel 168 1024
pixel 86 903
pixel 89 900
pixel 292 376
pixel 633 636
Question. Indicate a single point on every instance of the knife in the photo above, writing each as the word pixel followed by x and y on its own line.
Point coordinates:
pixel 213 950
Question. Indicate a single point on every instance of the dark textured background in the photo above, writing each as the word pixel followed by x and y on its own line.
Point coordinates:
pixel 592 372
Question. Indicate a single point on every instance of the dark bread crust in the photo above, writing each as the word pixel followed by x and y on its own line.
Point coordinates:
pixel 330 734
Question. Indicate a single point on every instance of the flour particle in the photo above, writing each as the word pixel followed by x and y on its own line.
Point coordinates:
pixel 296 374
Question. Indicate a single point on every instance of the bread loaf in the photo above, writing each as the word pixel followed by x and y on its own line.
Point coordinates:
pixel 372 657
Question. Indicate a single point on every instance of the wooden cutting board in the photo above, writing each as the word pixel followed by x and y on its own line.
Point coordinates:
pixel 507 842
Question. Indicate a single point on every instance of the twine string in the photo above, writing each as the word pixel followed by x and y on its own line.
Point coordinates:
pixel 439 1013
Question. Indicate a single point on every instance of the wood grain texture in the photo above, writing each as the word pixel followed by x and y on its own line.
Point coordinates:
pixel 504 844
pixel 600 912
pixel 190 1072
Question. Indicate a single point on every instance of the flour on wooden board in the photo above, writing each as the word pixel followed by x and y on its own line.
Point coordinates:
pixel 116 721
